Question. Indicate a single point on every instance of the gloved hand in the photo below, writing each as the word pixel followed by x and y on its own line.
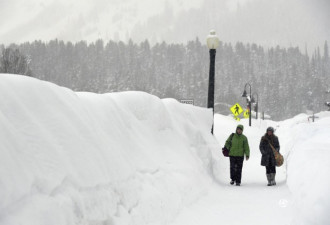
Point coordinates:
pixel 247 158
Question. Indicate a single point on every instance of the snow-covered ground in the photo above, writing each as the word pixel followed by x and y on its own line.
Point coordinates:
pixel 131 158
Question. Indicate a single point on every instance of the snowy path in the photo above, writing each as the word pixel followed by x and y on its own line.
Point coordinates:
pixel 243 205
pixel 250 204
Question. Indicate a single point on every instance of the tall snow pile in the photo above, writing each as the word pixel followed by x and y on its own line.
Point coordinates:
pixel 308 167
pixel 81 158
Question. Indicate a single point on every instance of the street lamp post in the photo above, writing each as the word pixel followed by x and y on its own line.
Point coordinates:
pixel 255 102
pixel 328 103
pixel 212 43
pixel 248 99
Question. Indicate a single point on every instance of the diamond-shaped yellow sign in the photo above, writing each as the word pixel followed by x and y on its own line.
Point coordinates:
pixel 246 113
pixel 236 109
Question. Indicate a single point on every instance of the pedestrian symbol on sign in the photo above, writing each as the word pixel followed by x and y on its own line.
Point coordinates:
pixel 236 109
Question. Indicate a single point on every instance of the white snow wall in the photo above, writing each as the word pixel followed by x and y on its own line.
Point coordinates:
pixel 308 167
pixel 82 158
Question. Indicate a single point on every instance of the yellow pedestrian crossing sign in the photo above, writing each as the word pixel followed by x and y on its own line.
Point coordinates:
pixel 236 109
pixel 246 113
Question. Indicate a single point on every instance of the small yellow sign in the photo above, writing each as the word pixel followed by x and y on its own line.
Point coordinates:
pixel 246 113
pixel 236 109
pixel 237 118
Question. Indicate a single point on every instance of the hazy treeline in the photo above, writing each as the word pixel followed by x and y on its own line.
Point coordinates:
pixel 13 61
pixel 286 80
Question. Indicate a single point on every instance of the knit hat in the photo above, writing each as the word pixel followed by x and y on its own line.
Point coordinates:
pixel 270 129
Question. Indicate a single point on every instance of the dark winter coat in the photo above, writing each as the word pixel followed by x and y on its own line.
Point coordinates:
pixel 268 158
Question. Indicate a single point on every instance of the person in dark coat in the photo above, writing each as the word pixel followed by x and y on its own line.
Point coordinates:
pixel 268 158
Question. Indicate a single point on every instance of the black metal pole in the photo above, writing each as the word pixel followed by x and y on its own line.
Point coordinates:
pixel 210 98
pixel 257 110
pixel 256 103
pixel 250 113
pixel 250 106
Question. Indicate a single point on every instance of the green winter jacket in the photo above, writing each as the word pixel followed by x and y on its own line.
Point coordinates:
pixel 239 144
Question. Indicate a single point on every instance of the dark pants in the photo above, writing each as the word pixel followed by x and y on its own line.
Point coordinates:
pixel 236 165
pixel 270 169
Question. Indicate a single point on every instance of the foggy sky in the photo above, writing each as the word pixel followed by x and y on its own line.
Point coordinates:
pixel 265 22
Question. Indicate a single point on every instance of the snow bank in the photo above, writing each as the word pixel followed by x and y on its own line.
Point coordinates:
pixel 308 167
pixel 82 158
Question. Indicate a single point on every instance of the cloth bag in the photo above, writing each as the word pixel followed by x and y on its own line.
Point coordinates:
pixel 278 157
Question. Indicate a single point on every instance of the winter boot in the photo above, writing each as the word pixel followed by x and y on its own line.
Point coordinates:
pixel 273 182
pixel 269 178
pixel 232 182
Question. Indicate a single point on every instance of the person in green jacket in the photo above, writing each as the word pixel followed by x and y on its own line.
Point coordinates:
pixel 238 146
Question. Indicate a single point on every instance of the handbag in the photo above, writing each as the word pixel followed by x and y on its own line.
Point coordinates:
pixel 278 157
pixel 225 151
